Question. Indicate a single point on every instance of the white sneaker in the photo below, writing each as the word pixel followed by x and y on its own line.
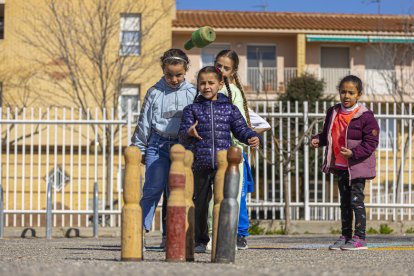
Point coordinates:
pixel 209 245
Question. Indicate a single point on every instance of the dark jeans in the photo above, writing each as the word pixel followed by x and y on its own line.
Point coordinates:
pixel 202 195
pixel 352 202
pixel 164 212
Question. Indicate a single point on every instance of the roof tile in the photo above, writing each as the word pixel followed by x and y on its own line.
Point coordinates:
pixel 291 20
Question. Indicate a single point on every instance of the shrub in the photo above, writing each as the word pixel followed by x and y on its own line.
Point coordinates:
pixel 255 229
pixel 372 231
pixel 335 231
pixel 409 231
pixel 385 229
pixel 275 232
pixel 305 88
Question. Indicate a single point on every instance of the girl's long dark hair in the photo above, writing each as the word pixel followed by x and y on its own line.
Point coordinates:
pixel 235 58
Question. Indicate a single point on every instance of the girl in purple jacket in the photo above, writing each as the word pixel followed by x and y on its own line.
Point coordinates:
pixel 206 126
pixel 350 134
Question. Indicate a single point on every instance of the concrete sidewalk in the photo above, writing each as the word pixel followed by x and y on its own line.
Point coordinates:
pixel 268 255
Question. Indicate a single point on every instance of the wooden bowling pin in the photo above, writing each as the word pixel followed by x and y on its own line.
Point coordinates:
pixel 131 228
pixel 218 197
pixel 189 191
pixel 229 210
pixel 176 207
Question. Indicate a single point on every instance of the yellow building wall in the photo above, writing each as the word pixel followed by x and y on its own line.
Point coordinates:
pixel 20 61
pixel 24 182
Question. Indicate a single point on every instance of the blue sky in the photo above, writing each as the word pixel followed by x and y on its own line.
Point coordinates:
pixel 324 6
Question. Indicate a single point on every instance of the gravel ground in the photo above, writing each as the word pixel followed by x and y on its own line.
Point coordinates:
pixel 268 255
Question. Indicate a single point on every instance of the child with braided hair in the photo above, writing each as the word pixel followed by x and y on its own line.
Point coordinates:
pixel 228 62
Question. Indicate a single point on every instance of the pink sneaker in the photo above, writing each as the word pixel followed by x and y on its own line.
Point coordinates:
pixel 355 244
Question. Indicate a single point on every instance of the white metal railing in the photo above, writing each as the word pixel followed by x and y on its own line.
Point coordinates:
pixel 74 141
pixel 332 77
pixel 262 79
pixel 289 73
pixel 69 148
pixel 314 195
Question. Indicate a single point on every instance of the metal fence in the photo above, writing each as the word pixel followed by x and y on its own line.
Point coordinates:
pixel 68 150
pixel 73 149
pixel 314 195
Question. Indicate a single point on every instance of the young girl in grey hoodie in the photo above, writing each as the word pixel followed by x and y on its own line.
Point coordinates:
pixel 158 125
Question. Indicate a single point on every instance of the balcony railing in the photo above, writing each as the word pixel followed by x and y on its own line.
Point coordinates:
pixel 289 73
pixel 332 77
pixel 376 81
pixel 262 79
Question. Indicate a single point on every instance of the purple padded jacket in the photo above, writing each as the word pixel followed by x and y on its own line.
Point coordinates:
pixel 216 120
pixel 361 137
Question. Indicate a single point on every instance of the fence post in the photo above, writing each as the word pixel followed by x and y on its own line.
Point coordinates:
pixel 95 210
pixel 306 160
pixel 1 212
pixel 49 211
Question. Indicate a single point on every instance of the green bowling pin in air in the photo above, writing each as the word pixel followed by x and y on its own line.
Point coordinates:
pixel 201 38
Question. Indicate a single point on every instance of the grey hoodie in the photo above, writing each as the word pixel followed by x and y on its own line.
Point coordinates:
pixel 162 110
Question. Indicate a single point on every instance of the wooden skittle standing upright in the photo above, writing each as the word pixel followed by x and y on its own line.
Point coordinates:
pixel 131 233
pixel 218 197
pixel 176 207
pixel 229 209
pixel 189 191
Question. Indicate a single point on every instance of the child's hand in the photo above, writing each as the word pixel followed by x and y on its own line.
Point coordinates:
pixel 347 153
pixel 193 132
pixel 315 143
pixel 254 142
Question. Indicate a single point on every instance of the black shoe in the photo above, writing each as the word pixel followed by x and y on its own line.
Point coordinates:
pixel 242 243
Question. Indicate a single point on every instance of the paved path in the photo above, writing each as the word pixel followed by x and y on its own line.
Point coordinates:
pixel 268 255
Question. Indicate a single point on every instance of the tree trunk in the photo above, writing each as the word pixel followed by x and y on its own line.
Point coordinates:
pixel 286 198
pixel 400 175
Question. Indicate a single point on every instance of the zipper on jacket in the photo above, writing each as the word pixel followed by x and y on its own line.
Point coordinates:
pixel 346 146
pixel 212 133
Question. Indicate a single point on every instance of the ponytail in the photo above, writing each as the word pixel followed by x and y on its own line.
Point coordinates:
pixel 226 82
pixel 246 109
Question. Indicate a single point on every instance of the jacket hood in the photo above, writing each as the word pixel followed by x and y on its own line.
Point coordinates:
pixel 221 98
pixel 362 109
pixel 162 85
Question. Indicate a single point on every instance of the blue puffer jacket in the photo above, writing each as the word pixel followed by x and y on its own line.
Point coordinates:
pixel 216 120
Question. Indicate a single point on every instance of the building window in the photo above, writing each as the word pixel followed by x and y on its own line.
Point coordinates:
pixel 261 68
pixel 209 52
pixel 335 63
pixel 129 92
pixel 58 177
pixel 130 35
pixel 1 21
